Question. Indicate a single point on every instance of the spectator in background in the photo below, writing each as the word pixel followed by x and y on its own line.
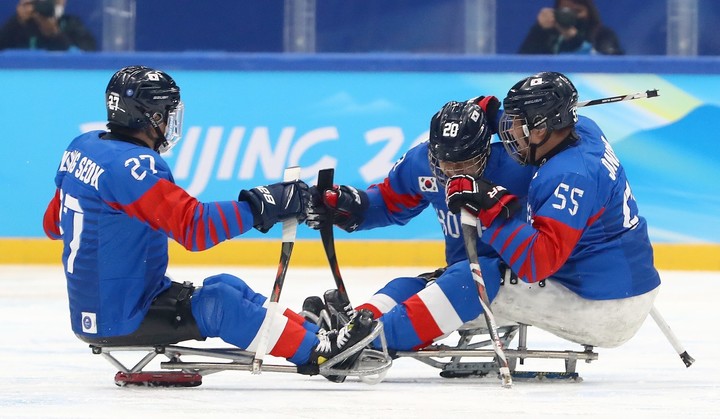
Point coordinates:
pixel 572 27
pixel 43 24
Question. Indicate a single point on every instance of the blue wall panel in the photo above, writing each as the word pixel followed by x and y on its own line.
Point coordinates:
pixel 419 26
pixel 249 117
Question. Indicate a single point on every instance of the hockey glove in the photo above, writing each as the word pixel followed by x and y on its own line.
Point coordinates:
pixel 342 205
pixel 491 106
pixel 276 202
pixel 483 199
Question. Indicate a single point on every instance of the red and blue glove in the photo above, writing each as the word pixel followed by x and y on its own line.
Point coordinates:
pixel 342 205
pixel 481 198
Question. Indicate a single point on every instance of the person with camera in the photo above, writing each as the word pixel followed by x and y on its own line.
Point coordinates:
pixel 42 24
pixel 571 27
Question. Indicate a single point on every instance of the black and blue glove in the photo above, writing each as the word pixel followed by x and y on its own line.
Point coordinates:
pixel 277 202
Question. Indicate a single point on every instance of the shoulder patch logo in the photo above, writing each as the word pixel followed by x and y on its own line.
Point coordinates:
pixel 428 184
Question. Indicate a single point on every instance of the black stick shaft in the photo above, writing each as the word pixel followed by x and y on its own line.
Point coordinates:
pixel 324 183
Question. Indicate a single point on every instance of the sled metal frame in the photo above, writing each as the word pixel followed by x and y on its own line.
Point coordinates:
pixel 371 366
pixel 436 356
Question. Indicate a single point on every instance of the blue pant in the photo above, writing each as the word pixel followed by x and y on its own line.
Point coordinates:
pixel 429 312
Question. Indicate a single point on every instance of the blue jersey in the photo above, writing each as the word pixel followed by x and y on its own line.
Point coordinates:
pixel 584 229
pixel 411 186
pixel 115 206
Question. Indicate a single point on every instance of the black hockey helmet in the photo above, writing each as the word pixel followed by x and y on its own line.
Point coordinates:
pixel 545 100
pixel 459 133
pixel 137 97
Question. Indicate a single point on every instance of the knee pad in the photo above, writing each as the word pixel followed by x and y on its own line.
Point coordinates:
pixel 223 310
pixel 208 306
pixel 237 284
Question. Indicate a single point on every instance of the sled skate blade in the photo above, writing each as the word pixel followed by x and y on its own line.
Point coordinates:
pixel 530 376
pixel 158 379
pixel 459 361
pixel 517 376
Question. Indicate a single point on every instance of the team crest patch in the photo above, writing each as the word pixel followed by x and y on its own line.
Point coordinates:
pixel 428 184
pixel 89 324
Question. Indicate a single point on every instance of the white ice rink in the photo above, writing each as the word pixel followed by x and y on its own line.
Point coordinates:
pixel 48 373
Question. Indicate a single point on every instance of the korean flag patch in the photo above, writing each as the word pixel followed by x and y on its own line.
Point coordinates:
pixel 428 184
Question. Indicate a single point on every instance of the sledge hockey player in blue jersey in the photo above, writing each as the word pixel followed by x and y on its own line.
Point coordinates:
pixel 415 311
pixel 115 207
pixel 582 252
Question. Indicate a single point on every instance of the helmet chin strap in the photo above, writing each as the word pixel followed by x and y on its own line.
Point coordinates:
pixel 533 148
pixel 156 127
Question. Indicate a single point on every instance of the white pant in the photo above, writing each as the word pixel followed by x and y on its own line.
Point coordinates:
pixel 555 309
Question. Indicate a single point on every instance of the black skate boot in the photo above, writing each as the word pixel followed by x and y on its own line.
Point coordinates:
pixel 325 349
pixel 339 309
pixel 357 329
pixel 312 310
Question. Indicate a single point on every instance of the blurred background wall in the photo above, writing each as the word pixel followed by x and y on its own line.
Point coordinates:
pixel 356 26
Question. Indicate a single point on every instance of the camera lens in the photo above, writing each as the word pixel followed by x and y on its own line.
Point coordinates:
pixel 565 17
pixel 45 8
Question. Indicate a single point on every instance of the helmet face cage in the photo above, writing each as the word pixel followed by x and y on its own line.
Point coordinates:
pixel 474 167
pixel 515 135
pixel 173 129
pixel 459 141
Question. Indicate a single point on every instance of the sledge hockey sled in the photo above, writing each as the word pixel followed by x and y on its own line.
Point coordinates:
pixel 453 360
pixel 177 371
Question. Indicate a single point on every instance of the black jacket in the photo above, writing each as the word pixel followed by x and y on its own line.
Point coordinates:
pixel 547 41
pixel 14 35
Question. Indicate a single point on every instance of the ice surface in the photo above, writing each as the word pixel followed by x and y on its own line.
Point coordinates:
pixel 49 373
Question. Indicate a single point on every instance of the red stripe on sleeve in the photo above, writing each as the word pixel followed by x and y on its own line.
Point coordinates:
pixel 200 230
pixel 393 200
pixel 225 226
pixel 51 219
pixel 165 207
pixel 213 232
pixel 552 247
pixel 594 218
pixel 238 216
pixel 510 238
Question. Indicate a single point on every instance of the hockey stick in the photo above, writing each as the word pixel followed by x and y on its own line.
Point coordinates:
pixel 470 236
pixel 289 229
pixel 641 95
pixel 324 183
pixel 686 358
